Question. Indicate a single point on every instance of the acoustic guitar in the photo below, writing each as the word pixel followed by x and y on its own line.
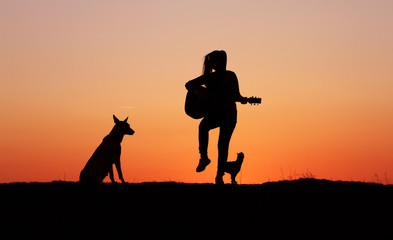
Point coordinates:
pixel 197 102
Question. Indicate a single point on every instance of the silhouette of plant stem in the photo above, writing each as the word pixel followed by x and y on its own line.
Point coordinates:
pixel 294 176
pixel 385 180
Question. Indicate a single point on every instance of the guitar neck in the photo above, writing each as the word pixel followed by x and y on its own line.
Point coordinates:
pixel 254 100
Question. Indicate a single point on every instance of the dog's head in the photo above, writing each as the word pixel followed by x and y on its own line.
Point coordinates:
pixel 123 126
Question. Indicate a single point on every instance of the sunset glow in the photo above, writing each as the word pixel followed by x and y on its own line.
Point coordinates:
pixel 323 68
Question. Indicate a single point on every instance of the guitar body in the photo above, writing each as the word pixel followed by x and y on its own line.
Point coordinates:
pixel 197 102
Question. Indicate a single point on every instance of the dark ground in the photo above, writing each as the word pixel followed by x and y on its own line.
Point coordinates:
pixel 302 209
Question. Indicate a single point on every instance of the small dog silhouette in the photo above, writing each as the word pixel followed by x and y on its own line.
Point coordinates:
pixel 107 154
pixel 233 168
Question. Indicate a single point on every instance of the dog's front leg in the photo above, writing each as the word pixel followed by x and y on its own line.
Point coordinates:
pixel 118 168
pixel 111 174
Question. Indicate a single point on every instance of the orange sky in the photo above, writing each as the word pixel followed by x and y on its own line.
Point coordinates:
pixel 323 68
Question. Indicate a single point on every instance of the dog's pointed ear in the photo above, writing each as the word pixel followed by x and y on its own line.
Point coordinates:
pixel 125 120
pixel 115 119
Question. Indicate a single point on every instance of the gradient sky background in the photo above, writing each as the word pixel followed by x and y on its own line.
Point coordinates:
pixel 323 68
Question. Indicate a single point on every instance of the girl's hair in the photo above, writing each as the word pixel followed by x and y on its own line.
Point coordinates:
pixel 219 56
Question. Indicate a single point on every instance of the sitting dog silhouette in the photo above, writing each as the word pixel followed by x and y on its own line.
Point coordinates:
pixel 233 168
pixel 107 154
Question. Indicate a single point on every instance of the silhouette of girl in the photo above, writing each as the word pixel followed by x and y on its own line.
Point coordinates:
pixel 223 90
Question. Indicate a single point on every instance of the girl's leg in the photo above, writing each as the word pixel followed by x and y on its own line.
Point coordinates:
pixel 223 146
pixel 203 136
pixel 226 130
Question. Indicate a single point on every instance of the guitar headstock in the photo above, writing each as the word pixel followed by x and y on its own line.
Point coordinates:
pixel 254 100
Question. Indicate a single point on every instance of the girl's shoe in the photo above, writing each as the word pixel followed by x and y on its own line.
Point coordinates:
pixel 219 180
pixel 203 162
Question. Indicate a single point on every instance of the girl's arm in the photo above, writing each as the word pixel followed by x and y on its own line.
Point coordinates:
pixel 238 96
pixel 199 81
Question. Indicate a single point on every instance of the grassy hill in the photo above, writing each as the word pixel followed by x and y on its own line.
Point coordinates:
pixel 305 208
